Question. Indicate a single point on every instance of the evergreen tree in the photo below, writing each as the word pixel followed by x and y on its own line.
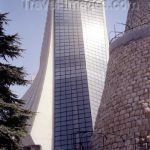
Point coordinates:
pixel 13 117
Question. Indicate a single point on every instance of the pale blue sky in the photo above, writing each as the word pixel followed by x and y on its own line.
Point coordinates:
pixel 30 26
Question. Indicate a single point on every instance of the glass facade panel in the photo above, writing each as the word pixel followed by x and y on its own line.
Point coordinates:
pixel 80 56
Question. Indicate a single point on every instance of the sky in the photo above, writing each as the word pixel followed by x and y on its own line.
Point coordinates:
pixel 29 23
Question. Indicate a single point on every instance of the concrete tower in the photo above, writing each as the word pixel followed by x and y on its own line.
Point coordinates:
pixel 123 121
pixel 67 89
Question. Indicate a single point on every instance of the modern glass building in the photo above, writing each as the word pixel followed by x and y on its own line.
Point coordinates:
pixel 67 90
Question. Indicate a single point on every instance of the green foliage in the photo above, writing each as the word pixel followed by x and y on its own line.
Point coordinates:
pixel 13 117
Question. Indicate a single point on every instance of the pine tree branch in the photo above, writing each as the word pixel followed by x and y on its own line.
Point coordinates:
pixel 3 21
pixel 13 116
pixel 11 75
pixel 10 46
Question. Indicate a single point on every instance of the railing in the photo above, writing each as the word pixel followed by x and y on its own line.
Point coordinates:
pixel 32 147
pixel 142 143
pixel 120 34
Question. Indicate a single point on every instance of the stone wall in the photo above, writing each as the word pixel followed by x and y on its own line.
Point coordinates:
pixel 139 14
pixel 125 105
pixel 123 121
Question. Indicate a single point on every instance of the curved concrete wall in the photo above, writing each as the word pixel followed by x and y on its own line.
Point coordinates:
pixel 39 97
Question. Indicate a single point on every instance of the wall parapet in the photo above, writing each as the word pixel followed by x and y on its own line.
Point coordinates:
pixel 131 35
